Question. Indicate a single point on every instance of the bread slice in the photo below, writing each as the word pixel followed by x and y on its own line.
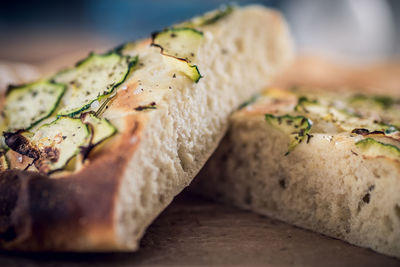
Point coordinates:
pixel 328 162
pixel 168 122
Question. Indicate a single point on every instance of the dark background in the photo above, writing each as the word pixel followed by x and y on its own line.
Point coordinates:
pixel 356 30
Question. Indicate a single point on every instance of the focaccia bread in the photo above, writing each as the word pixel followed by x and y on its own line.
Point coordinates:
pixel 91 155
pixel 324 161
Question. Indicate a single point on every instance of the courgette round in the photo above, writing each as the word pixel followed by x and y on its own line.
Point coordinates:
pixel 180 47
pixel 296 127
pixel 92 79
pixel 52 145
pixel 29 104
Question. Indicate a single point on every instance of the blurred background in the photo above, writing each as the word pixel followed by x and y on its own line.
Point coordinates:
pixel 38 31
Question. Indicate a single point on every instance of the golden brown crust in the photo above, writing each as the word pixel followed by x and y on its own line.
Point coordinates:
pixel 70 211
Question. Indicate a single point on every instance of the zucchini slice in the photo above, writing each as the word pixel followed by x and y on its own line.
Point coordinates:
pixel 91 80
pixel 101 129
pixel 191 71
pixel 178 42
pixel 180 46
pixel 297 127
pixel 343 119
pixel 209 17
pixel 377 101
pixel 29 104
pixel 384 107
pixel 372 148
pixel 52 145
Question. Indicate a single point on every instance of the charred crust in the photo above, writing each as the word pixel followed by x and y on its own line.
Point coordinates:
pixel 38 213
pixel 41 158
pixel 9 189
pixel 17 142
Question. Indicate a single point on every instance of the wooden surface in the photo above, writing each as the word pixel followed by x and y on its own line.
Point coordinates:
pixel 195 231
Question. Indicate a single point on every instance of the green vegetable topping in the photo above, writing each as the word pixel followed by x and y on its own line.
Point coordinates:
pixel 29 104
pixel 372 148
pixel 180 46
pixel 100 129
pixel 92 80
pixel 52 145
pixel 297 127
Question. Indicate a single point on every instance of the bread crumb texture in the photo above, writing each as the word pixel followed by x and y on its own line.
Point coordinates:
pixel 341 179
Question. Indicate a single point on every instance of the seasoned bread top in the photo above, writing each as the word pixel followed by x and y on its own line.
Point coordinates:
pixel 58 125
pixel 370 123
pixel 90 171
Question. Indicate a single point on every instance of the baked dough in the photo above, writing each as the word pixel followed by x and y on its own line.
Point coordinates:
pixel 168 125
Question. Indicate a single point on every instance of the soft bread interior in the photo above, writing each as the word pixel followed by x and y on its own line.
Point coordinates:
pixel 239 55
pixel 322 185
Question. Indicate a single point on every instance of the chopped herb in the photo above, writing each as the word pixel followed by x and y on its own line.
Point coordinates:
pixel 152 105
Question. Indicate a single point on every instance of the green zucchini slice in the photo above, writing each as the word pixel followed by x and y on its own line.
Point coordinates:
pixel 345 120
pixel 101 129
pixel 191 71
pixel 92 79
pixel 179 42
pixel 297 127
pixel 180 46
pixel 372 148
pixel 377 101
pixel 52 145
pixel 29 104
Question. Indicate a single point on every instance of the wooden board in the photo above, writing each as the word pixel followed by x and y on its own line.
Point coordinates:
pixel 195 231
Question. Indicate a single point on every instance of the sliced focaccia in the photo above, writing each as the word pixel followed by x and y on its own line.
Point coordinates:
pixel 329 162
pixel 91 155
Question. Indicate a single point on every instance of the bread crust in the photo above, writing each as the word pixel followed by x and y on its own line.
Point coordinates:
pixel 73 212
pixel 97 207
